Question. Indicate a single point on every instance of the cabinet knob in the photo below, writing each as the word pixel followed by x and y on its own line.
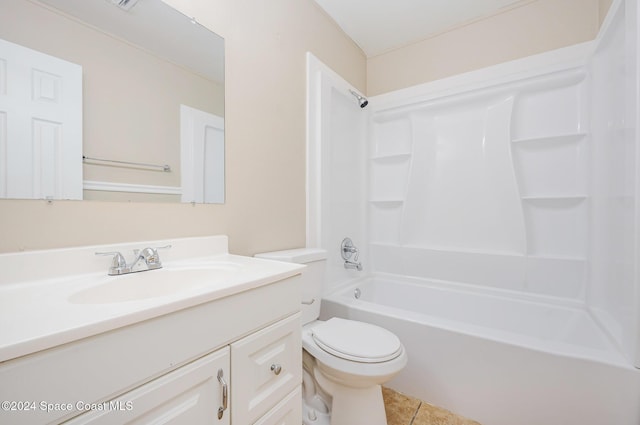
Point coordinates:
pixel 276 368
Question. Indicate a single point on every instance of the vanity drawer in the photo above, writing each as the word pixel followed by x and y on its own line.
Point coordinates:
pixel 265 368
pixel 287 412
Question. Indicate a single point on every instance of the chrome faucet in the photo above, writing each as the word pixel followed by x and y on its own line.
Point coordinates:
pixel 147 259
pixel 347 249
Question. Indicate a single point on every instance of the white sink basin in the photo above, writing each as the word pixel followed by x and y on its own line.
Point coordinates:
pixel 153 284
pixel 53 297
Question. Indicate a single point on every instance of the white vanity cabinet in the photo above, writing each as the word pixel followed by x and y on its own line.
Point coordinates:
pixel 262 386
pixel 165 370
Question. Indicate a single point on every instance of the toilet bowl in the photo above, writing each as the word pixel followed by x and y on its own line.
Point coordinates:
pixel 351 361
pixel 345 361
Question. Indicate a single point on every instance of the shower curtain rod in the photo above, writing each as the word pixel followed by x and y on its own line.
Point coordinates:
pixel 166 168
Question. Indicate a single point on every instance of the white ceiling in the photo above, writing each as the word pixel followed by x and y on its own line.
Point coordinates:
pixel 378 26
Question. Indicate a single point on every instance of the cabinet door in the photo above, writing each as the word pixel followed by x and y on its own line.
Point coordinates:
pixel 266 366
pixel 191 394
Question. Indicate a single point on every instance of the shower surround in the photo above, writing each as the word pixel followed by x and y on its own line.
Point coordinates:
pixel 497 219
pixel 488 187
pixel 520 177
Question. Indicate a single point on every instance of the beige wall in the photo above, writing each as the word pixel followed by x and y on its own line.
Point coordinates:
pixel 265 141
pixel 265 117
pixel 535 27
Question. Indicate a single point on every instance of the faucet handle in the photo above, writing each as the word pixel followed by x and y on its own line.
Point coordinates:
pixel 347 249
pixel 118 263
pixel 151 256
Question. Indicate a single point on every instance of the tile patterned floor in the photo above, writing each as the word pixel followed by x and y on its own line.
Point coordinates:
pixel 405 410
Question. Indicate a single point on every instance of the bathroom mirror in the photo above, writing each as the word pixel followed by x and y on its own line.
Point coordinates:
pixel 152 98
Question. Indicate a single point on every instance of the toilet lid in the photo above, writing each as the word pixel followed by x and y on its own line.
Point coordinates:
pixel 357 341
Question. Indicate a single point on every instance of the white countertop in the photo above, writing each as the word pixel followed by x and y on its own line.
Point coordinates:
pixel 36 313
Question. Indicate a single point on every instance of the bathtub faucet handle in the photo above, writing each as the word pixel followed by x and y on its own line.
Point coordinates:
pixel 347 249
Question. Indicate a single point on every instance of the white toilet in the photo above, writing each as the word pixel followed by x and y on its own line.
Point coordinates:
pixel 345 361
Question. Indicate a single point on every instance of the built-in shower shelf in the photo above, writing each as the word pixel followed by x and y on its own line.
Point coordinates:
pixel 484 252
pixel 387 202
pixel 564 258
pixel 554 198
pixel 551 139
pixel 399 157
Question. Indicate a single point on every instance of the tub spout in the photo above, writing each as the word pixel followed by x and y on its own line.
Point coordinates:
pixel 351 265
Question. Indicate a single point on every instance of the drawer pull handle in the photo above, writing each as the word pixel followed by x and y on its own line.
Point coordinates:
pixel 225 395
pixel 276 368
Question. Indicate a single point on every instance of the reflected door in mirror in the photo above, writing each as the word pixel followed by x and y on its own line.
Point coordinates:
pixel 40 125
pixel 202 156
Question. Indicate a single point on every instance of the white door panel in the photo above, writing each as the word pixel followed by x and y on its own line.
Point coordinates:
pixel 40 125
pixel 202 156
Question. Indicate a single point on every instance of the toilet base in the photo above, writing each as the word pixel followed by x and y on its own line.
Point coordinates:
pixel 316 404
pixel 354 405
pixel 358 406
pixel 311 416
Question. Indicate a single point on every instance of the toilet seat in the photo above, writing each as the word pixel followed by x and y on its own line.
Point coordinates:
pixel 356 341
pixel 356 373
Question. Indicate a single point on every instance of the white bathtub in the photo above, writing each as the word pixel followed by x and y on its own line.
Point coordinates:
pixel 497 357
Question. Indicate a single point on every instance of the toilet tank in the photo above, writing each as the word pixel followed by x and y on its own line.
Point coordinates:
pixel 312 276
